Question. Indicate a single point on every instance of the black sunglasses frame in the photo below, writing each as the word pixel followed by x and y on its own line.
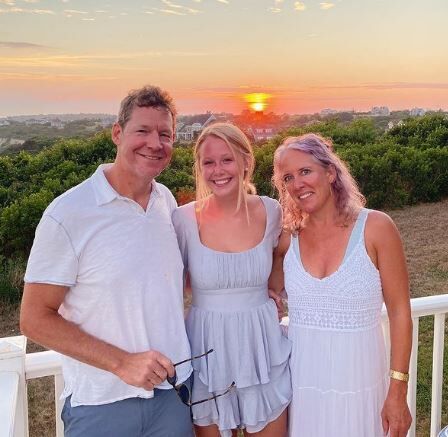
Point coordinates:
pixel 184 392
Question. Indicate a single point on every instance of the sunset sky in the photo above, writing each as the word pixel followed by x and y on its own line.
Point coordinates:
pixel 83 56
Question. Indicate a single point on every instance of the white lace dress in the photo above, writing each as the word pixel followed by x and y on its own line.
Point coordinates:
pixel 338 361
pixel 232 313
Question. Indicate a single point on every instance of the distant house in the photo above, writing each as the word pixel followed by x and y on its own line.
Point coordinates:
pixel 32 121
pixel 328 111
pixel 107 121
pixel 261 133
pixel 196 123
pixel 391 124
pixel 417 112
pixel 4 123
pixel 57 124
pixel 380 111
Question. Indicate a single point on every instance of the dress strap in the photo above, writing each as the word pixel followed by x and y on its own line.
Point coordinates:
pixel 357 232
pixel 295 247
pixel 356 236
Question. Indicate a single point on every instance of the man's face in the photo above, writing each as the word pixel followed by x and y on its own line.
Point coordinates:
pixel 145 144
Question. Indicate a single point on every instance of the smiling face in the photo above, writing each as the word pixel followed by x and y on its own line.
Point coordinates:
pixel 307 182
pixel 219 167
pixel 144 144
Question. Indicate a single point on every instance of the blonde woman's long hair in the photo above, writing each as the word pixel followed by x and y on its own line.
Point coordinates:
pixel 241 150
pixel 348 199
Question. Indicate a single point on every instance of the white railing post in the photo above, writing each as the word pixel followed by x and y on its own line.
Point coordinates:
pixel 58 387
pixel 12 362
pixel 437 374
pixel 48 363
pixel 412 387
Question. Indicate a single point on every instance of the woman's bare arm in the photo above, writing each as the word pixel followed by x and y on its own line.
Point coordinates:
pixel 383 237
pixel 276 279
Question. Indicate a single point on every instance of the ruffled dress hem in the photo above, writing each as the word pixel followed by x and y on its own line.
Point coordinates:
pixel 249 428
pixel 262 378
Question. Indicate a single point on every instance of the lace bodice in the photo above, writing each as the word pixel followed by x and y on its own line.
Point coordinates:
pixel 349 299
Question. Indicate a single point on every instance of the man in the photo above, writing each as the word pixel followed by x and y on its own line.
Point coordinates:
pixel 103 285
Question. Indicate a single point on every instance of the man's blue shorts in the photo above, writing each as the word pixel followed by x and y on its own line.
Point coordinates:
pixel 164 415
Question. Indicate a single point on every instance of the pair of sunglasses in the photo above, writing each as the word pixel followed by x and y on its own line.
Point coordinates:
pixel 184 392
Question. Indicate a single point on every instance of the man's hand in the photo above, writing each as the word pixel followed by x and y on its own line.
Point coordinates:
pixel 145 369
pixel 41 322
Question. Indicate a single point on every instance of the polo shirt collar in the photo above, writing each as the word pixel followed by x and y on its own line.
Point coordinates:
pixel 105 193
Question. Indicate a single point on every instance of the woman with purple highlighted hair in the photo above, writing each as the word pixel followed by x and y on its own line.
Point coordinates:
pixel 340 261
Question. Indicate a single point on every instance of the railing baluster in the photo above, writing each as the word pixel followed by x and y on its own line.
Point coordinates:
pixel 9 383
pixel 58 387
pixel 12 369
pixel 412 388
pixel 437 374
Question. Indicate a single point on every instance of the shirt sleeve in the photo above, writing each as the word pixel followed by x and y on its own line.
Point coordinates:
pixel 52 259
pixel 179 226
pixel 169 198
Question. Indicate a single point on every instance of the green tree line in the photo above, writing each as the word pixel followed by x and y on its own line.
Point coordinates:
pixel 406 165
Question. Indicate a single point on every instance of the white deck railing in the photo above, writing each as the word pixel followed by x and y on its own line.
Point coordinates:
pixel 17 367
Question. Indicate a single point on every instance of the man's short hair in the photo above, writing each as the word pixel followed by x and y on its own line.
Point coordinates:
pixel 146 97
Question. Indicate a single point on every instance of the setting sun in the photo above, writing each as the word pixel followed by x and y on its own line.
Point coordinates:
pixel 257 101
pixel 258 106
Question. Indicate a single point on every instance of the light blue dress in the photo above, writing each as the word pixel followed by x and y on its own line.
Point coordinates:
pixel 232 313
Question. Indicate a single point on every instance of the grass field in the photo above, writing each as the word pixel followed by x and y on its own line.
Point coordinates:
pixel 424 229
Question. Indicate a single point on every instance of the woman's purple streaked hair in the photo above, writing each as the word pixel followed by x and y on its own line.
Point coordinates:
pixel 348 198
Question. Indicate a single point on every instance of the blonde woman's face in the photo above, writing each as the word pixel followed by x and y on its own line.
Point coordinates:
pixel 218 167
pixel 305 180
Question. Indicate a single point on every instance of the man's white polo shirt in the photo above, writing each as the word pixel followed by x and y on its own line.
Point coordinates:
pixel 124 272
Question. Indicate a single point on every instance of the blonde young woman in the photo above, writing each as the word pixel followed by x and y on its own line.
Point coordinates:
pixel 227 239
pixel 340 262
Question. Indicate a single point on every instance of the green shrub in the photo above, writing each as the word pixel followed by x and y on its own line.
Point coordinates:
pixel 11 279
pixel 407 165
pixel 430 131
